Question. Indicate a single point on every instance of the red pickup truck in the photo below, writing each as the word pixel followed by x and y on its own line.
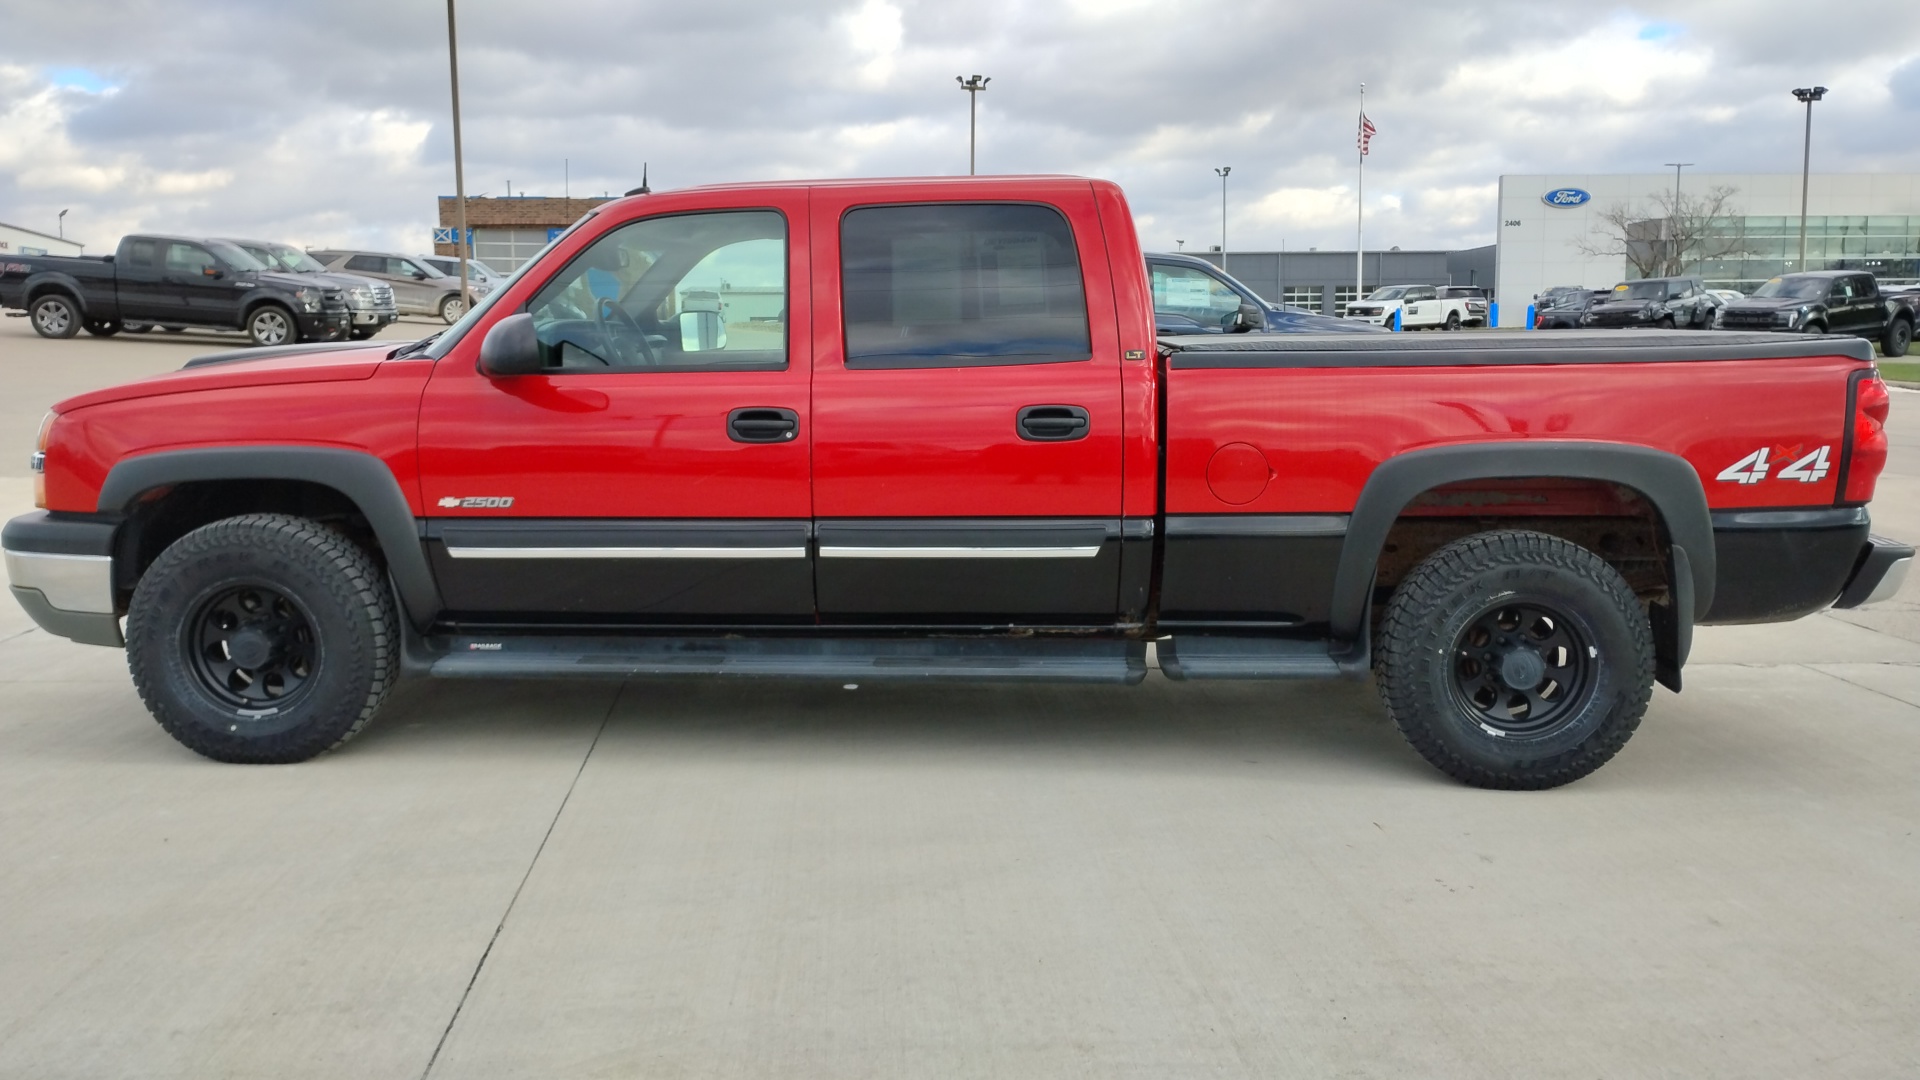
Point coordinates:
pixel 922 429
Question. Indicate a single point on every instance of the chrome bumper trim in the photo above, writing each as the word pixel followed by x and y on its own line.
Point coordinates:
pixel 79 583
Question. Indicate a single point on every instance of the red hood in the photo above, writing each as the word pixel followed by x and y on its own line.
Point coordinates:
pixel 302 366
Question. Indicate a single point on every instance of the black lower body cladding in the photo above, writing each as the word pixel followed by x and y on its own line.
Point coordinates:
pixel 1775 565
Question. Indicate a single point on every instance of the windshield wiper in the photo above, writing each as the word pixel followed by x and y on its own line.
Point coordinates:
pixel 415 348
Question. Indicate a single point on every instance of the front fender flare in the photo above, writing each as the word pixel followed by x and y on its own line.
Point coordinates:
pixel 362 478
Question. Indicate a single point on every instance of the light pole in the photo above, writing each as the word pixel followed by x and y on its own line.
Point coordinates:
pixel 1673 234
pixel 1223 171
pixel 459 168
pixel 62 220
pixel 973 87
pixel 1809 95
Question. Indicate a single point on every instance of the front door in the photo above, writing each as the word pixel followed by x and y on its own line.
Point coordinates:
pixel 967 410
pixel 202 283
pixel 657 472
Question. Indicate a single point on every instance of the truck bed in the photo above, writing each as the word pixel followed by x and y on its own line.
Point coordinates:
pixel 1484 349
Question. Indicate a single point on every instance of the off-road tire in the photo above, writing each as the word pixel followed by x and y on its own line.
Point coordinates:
pixel 1899 335
pixel 1423 642
pixel 354 633
pixel 451 309
pixel 54 315
pixel 267 320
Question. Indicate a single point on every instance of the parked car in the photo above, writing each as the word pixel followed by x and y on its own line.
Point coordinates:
pixel 477 271
pixel 1566 308
pixel 370 301
pixel 1478 299
pixel 970 459
pixel 1826 302
pixel 1664 303
pixel 175 281
pixel 1727 296
pixel 1418 306
pixel 1193 296
pixel 417 289
pixel 1552 297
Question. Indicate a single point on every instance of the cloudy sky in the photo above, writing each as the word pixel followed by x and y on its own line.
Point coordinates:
pixel 325 123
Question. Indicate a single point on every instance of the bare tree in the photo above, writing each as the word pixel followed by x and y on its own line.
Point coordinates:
pixel 1667 237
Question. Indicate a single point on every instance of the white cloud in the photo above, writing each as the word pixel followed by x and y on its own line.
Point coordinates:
pixel 874 32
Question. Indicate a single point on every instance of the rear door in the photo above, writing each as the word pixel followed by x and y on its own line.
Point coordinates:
pixel 657 472
pixel 140 283
pixel 967 408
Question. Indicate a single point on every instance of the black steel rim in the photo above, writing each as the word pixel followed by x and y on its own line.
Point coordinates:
pixel 1522 667
pixel 253 647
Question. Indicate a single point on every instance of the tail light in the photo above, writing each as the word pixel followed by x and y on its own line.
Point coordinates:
pixel 1866 437
pixel 38 463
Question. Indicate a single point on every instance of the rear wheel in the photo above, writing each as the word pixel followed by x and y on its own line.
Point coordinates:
pixel 1453 320
pixel 1899 335
pixel 174 329
pixel 271 324
pixel 54 316
pixel 103 327
pixel 262 639
pixel 451 308
pixel 1515 660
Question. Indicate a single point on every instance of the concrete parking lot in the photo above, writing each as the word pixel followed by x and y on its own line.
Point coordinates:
pixel 691 879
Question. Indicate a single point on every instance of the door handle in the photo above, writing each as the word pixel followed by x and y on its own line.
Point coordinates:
pixel 1052 423
pixel 760 424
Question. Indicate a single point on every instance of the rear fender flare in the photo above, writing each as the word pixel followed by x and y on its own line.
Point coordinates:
pixel 1665 480
pixel 43 283
pixel 364 479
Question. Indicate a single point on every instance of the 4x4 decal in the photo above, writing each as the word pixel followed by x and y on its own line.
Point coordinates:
pixel 1806 468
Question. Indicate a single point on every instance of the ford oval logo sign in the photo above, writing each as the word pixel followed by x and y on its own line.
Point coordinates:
pixel 1566 196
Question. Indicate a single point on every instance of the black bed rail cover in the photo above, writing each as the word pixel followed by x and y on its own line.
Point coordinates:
pixel 1498 348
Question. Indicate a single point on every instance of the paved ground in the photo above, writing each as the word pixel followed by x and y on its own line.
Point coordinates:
pixel 693 880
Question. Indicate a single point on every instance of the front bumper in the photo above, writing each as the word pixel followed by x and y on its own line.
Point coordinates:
pixel 376 316
pixel 61 571
pixel 324 325
pixel 1377 320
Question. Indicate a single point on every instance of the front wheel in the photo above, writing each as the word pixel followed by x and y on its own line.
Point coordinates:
pixel 1515 660
pixel 451 308
pixel 271 324
pixel 1899 335
pixel 1665 322
pixel 54 316
pixel 262 639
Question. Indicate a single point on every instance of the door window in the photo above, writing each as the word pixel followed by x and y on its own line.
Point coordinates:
pixel 367 264
pixel 1193 294
pixel 189 259
pixel 140 253
pixel 955 285
pixel 689 292
pixel 406 268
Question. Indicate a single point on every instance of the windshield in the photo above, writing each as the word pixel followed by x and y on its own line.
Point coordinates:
pixel 282 257
pixel 1648 290
pixel 234 257
pixel 1794 288
pixel 1394 293
pixel 438 345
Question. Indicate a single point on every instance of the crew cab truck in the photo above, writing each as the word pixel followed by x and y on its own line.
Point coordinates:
pixel 937 439
pixel 1825 301
pixel 175 281
pixel 1660 303
pixel 1419 307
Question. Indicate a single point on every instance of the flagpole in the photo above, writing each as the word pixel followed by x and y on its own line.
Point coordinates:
pixel 1360 204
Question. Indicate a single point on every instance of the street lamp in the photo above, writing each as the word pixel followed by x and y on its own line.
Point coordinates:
pixel 1809 95
pixel 62 222
pixel 459 173
pixel 1673 234
pixel 973 87
pixel 1223 171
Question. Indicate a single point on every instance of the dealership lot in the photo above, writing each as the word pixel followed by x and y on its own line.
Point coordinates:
pixel 690 878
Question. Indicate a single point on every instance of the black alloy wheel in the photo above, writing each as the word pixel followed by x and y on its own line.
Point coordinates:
pixel 1899 335
pixel 252 646
pixel 1519 666
pixel 54 316
pixel 1515 659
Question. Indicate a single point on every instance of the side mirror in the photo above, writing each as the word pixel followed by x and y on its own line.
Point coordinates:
pixel 702 331
pixel 419 275
pixel 511 348
pixel 1248 318
pixel 210 271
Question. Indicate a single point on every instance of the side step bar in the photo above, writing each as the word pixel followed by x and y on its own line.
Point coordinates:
pixel 925 659
pixel 1207 656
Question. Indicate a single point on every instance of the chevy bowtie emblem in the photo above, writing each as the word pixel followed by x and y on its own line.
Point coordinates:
pixel 477 502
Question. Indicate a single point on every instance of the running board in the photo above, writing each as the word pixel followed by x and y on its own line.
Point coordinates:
pixel 965 659
pixel 1206 656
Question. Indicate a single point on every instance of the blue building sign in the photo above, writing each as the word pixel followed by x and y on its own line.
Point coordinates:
pixel 446 236
pixel 1566 196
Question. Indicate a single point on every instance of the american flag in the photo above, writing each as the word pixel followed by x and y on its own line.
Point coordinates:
pixel 1366 133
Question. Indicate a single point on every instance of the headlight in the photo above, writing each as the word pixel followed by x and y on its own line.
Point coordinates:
pixel 1719 317
pixel 309 299
pixel 1790 318
pixel 38 463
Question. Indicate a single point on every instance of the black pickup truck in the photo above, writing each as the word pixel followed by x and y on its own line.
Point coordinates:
pixel 1826 302
pixel 175 281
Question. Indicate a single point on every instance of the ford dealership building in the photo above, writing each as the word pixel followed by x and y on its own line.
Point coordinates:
pixel 1854 221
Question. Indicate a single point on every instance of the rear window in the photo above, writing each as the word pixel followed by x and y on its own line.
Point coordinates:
pixel 954 285
pixel 370 264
